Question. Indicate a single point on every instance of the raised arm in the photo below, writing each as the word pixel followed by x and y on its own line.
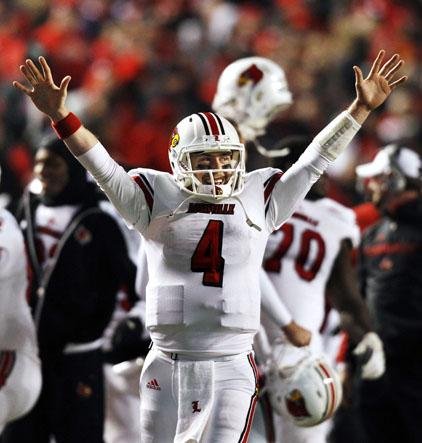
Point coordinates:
pixel 50 99
pixel 371 92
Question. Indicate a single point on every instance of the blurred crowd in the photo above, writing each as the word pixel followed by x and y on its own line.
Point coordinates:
pixel 139 66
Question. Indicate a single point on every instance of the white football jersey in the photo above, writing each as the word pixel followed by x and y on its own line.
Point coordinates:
pixel 203 257
pixel 203 288
pixel 17 331
pixel 300 255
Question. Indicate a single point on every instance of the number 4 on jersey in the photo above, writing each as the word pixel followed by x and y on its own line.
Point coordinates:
pixel 207 256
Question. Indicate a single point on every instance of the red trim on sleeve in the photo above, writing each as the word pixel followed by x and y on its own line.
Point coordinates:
pixel 145 189
pixel 270 183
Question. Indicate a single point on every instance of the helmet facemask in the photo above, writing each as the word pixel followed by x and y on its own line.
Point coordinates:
pixel 195 168
pixel 207 157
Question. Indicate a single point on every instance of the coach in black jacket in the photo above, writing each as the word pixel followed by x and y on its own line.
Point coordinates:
pixel 391 276
pixel 79 261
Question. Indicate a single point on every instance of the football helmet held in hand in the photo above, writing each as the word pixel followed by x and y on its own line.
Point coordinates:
pixel 307 393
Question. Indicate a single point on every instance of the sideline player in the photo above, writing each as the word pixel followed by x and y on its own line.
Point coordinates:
pixel 20 371
pixel 205 229
pixel 309 256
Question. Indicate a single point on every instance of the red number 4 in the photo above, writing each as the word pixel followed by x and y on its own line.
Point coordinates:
pixel 207 256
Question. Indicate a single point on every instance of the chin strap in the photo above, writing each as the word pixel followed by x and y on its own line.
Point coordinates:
pixel 248 220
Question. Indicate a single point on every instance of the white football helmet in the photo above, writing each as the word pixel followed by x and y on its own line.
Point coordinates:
pixel 207 133
pixel 251 91
pixel 307 393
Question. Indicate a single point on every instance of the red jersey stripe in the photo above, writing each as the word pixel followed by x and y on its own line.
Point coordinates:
pixel 145 189
pixel 270 185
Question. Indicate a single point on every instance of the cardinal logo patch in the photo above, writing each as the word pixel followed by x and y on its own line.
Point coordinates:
pixel 195 407
pixel 83 235
pixel 252 74
pixel 175 138
pixel 295 404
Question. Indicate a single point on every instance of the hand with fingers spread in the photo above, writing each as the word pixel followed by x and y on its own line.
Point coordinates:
pixel 373 90
pixel 45 94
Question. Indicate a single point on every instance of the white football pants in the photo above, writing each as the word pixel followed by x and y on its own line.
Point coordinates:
pixel 202 401
pixel 122 402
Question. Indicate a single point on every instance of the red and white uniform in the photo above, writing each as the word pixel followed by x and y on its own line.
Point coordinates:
pixel 202 297
pixel 20 375
pixel 199 303
pixel 299 258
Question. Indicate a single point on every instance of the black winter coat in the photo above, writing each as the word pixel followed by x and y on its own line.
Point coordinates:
pixel 75 303
pixel 391 277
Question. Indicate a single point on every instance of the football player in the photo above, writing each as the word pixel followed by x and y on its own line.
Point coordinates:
pixel 311 256
pixel 20 371
pixel 205 229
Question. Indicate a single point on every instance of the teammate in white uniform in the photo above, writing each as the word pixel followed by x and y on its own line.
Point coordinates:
pixel 308 256
pixel 20 373
pixel 205 229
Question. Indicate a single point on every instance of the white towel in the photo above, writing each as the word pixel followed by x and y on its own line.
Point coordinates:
pixel 196 398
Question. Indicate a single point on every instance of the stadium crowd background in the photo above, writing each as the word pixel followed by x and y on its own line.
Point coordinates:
pixel 139 66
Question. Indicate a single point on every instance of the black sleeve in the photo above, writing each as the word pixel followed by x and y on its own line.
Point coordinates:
pixel 361 267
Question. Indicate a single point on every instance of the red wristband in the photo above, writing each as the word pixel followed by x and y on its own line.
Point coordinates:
pixel 67 126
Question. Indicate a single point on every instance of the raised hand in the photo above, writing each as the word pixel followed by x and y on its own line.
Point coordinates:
pixel 373 90
pixel 45 94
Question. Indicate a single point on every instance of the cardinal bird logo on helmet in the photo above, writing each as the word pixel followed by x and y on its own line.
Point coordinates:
pixel 175 138
pixel 253 74
pixel 295 404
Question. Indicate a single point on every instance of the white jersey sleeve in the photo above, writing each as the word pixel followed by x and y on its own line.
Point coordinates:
pixel 127 195
pixel 271 303
pixel 286 190
pixel 141 271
